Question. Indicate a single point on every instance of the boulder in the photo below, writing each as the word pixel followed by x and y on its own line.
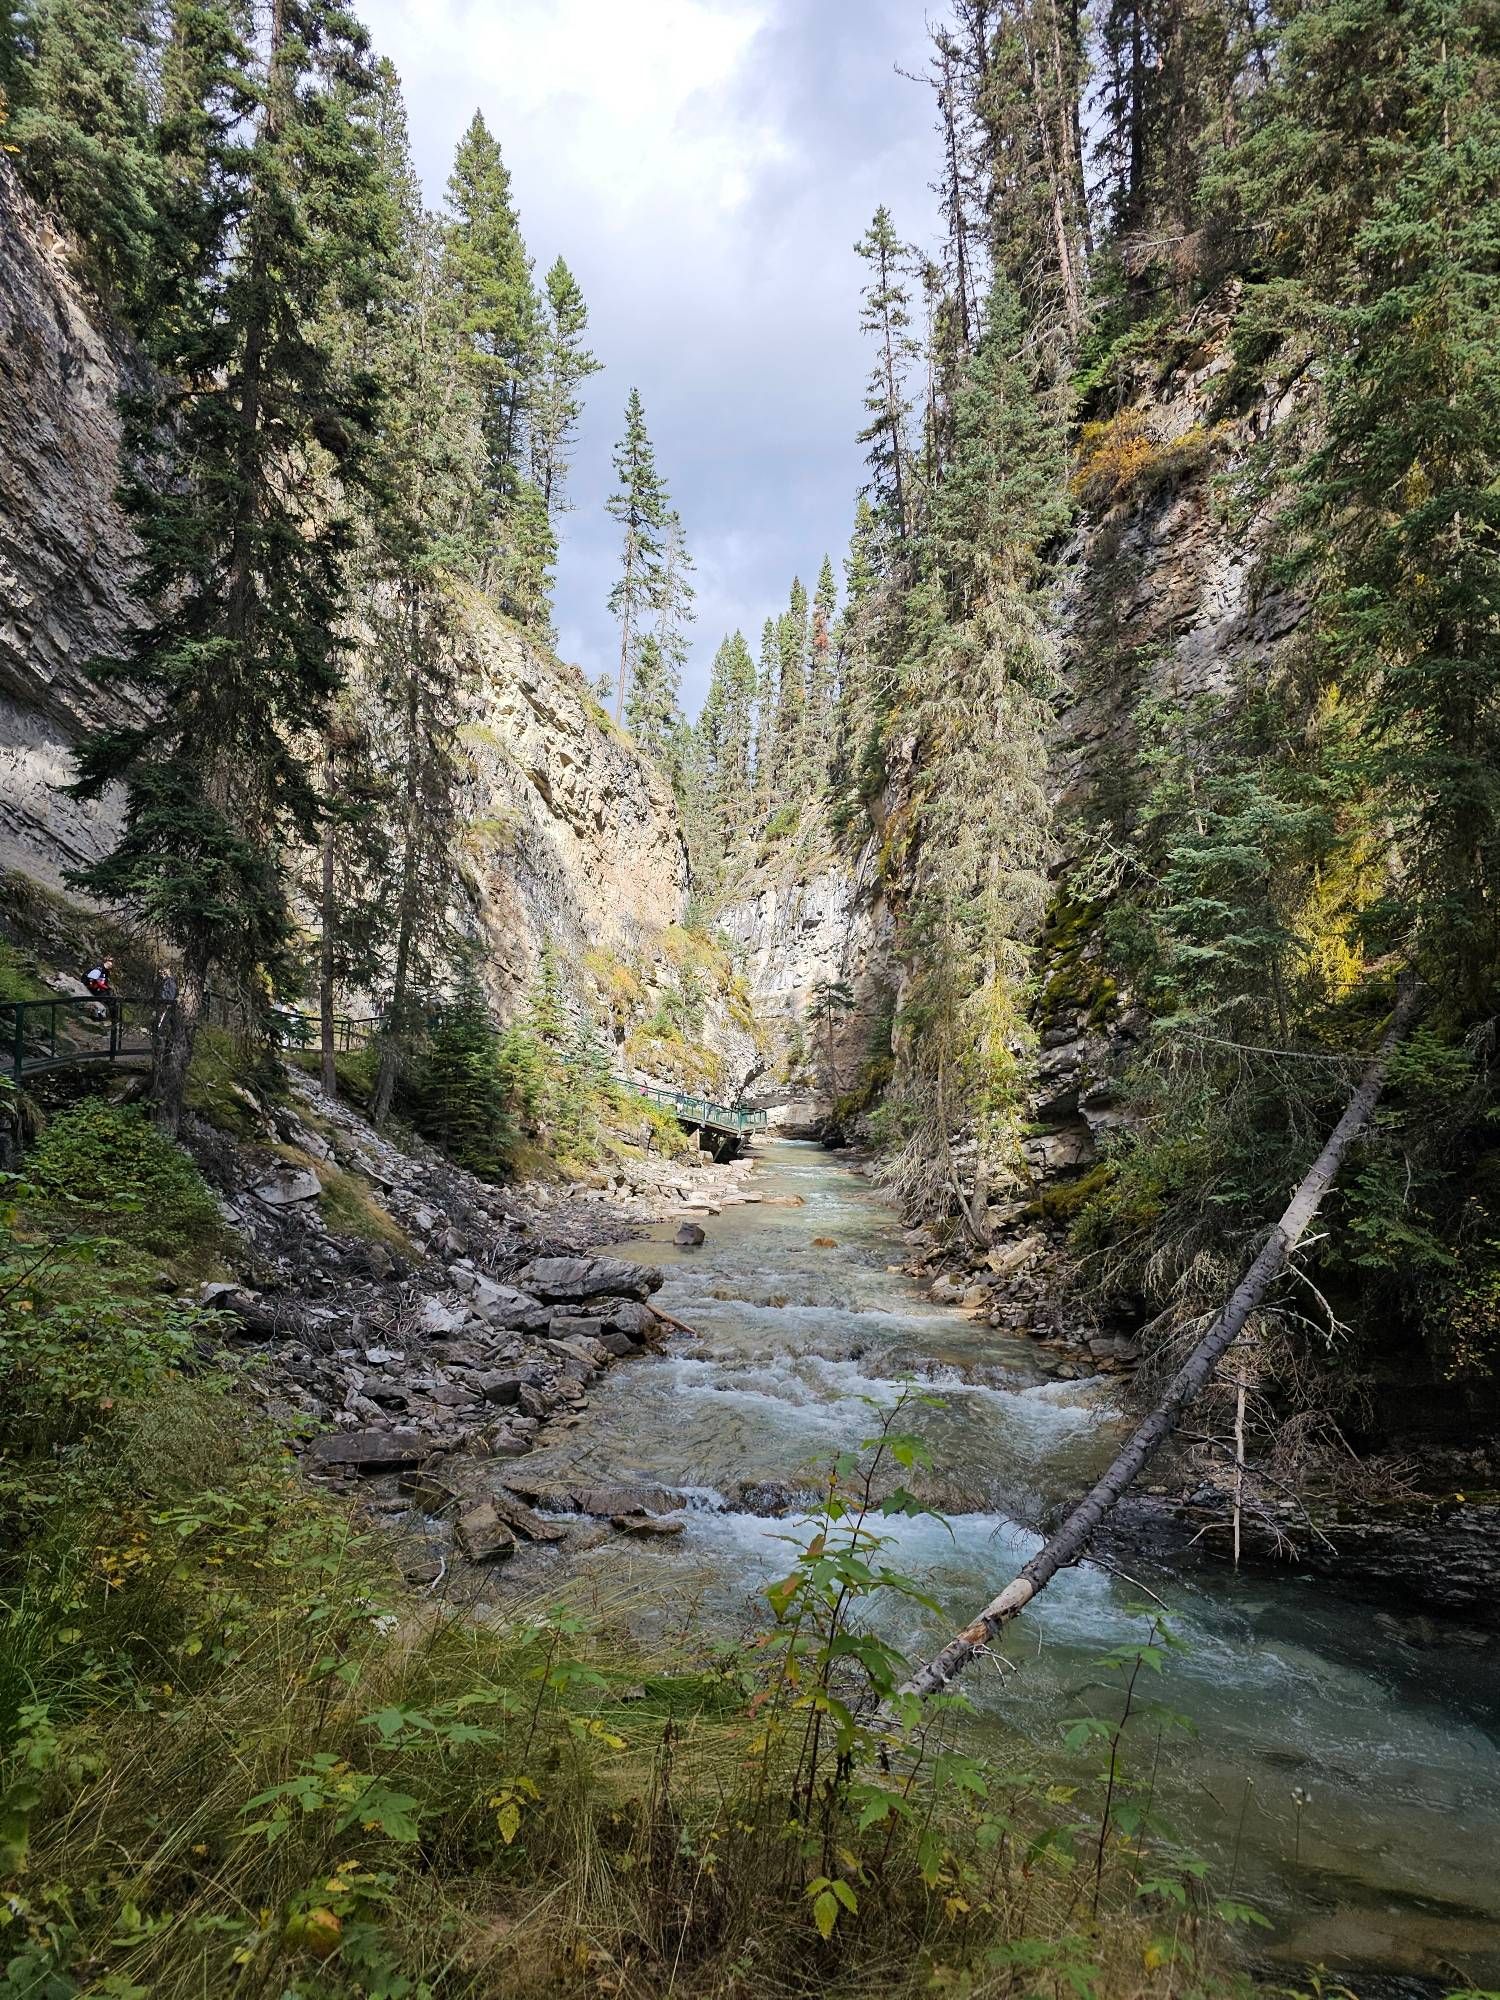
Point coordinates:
pixel 369 1451
pixel 689 1236
pixel 482 1535
pixel 628 1316
pixel 504 1386
pixel 286 1189
pixel 518 1516
pixel 618 1343
pixel 577 1352
pixel 507 1309
pixel 563 1280
pixel 436 1316
pixel 645 1524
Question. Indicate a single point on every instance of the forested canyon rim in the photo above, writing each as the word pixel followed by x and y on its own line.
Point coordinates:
pixel 1064 849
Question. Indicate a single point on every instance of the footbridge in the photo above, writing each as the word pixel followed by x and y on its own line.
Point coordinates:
pixel 39 1036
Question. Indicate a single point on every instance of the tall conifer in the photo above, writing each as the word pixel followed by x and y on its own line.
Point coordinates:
pixel 242 580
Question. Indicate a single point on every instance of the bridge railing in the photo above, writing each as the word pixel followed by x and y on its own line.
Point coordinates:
pixel 40 1035
pixel 698 1110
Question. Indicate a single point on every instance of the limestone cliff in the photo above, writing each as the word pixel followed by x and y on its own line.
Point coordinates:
pixel 65 548
pixel 573 835
pixel 801 921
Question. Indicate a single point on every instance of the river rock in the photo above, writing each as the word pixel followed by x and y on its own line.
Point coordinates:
pixel 369 1451
pixel 482 1535
pixel 565 1279
pixel 507 1309
pixel 689 1236
pixel 645 1524
pixel 628 1316
pixel 286 1189
pixel 518 1516
pixel 617 1343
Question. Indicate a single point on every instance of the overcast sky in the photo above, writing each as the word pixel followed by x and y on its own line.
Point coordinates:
pixel 705 167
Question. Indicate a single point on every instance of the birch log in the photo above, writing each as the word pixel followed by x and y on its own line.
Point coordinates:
pixel 1071 1539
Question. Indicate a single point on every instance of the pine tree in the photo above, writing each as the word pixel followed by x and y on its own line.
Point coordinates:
pixel 886 314
pixel 821 675
pixel 242 581
pixel 490 275
pixel 556 405
pixel 792 640
pixel 640 506
pixel 80 119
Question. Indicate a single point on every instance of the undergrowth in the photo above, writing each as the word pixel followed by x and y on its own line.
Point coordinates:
pixel 236 1757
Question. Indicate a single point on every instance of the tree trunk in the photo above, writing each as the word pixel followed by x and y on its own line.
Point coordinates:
pixel 393 1029
pixel 173 1034
pixel 325 951
pixel 1068 1544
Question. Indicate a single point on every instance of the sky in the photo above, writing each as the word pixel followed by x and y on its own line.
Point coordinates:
pixel 705 167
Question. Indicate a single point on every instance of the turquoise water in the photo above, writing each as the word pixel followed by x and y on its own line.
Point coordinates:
pixel 1396 1863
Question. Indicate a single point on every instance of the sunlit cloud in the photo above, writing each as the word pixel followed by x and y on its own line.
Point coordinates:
pixel 705 167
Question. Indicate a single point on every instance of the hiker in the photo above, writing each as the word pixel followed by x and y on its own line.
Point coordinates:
pixel 100 982
pixel 166 999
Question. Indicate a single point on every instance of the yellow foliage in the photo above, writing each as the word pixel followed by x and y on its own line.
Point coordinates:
pixel 1122 455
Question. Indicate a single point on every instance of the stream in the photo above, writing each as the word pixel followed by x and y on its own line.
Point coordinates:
pixel 1346 1783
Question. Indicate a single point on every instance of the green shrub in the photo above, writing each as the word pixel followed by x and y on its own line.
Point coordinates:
pixel 107 1165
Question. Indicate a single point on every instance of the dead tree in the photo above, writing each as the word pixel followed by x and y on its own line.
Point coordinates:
pixel 1073 1537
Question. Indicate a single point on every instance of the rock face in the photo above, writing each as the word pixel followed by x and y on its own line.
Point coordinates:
pixel 65 548
pixel 573 836
pixel 796 927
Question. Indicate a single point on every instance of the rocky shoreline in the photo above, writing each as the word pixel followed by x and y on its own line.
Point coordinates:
pixel 417 1359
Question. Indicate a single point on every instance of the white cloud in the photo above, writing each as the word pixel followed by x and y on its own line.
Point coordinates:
pixel 705 167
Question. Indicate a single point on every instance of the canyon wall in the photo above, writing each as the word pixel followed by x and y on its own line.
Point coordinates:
pixel 572 837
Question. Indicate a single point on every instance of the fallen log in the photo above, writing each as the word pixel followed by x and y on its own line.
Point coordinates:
pixel 677 1325
pixel 1071 1539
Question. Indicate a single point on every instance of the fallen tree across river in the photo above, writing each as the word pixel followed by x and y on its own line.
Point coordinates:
pixel 1072 1538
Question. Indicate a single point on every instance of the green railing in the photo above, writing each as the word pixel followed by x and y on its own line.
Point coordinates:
pixel 40 1035
pixel 696 1110
pixel 55 1034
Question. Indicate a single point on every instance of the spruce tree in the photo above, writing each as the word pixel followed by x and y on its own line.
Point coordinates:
pixel 489 272
pixel 1398 520
pixel 237 447
pixel 886 314
pixel 79 90
pixel 421 542
pixel 556 403
pixel 766 788
pixel 792 641
pixel 821 674
pixel 639 504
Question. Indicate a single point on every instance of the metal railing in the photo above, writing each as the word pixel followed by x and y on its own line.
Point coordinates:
pixel 697 1110
pixel 40 1035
